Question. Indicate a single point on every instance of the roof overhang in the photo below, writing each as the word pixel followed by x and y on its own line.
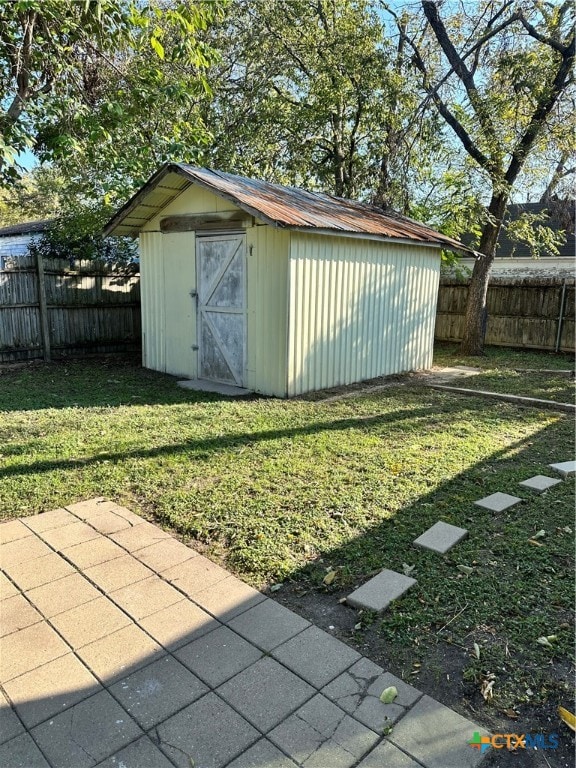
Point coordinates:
pixel 172 179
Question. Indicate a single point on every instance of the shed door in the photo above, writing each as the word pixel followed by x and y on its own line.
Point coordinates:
pixel 220 263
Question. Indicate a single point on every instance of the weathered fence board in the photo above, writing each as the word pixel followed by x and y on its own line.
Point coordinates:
pixel 521 313
pixel 89 308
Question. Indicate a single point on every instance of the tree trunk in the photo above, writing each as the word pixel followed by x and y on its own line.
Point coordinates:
pixel 476 314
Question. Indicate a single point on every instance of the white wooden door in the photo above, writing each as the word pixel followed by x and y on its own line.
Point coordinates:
pixel 220 270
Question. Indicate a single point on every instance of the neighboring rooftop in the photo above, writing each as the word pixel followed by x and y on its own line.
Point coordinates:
pixel 26 228
pixel 279 206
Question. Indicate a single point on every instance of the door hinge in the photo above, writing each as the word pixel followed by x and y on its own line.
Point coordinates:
pixel 194 294
pixel 195 347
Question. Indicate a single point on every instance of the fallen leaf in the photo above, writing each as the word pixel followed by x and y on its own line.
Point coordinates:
pixel 511 714
pixel 276 587
pixel 535 543
pixel 487 686
pixel 539 534
pixel 407 569
pixel 465 568
pixel 545 642
pixel 476 650
pixel 358 626
pixel 567 717
pixel 389 694
pixel 329 578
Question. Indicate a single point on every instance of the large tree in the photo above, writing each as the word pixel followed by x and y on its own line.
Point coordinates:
pixel 73 75
pixel 315 93
pixel 507 71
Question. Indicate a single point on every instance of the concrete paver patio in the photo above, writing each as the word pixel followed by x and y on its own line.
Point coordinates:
pixel 121 646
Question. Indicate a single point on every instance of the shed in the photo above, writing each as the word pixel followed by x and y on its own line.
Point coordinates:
pixel 276 289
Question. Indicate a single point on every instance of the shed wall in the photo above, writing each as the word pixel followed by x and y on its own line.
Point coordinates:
pixel 168 269
pixel 358 309
pixel 267 322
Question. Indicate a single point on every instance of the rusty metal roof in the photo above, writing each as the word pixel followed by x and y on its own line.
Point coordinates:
pixel 279 206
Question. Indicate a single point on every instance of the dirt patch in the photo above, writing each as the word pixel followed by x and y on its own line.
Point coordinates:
pixel 439 674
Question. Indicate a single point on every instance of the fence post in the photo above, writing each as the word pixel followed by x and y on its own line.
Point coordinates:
pixel 44 326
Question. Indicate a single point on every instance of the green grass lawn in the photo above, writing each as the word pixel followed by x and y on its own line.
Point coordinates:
pixel 282 490
pixel 514 372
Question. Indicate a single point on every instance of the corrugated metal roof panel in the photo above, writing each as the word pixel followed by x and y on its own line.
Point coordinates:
pixel 287 207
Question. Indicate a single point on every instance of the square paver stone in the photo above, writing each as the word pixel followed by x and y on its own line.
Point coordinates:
pixel 437 736
pixel 195 575
pixel 59 596
pixel 22 752
pixel 565 468
pixel 93 552
pixel 377 593
pixel 120 654
pixel 207 734
pixel 87 733
pixel 13 530
pixel 10 726
pixel 218 656
pixel 50 689
pixel 386 755
pixel 139 536
pixel 265 693
pixel 498 502
pixel 111 521
pixel 140 754
pixel 47 520
pixel 228 598
pixel 7 589
pixel 118 573
pixel 316 656
pixel 145 597
pixel 22 551
pixel 165 554
pixel 358 691
pixel 17 613
pixel 29 648
pixel 540 483
pixel 262 755
pixel 37 572
pixel 68 535
pixel 178 624
pixel 157 691
pixel 441 537
pixel 320 734
pixel 268 624
pixel 84 509
pixel 89 622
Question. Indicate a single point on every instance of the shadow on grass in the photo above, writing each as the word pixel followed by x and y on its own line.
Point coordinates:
pixel 497 600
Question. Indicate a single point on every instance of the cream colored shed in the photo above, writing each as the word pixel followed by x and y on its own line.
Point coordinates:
pixel 275 289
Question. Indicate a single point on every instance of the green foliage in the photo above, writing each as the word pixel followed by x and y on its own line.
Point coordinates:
pixel 74 76
pixel 529 228
pixel 316 95
pixel 77 235
pixel 37 195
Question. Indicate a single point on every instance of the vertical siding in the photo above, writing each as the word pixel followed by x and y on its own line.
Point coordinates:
pixel 168 274
pixel 179 262
pixel 267 313
pixel 358 309
pixel 152 301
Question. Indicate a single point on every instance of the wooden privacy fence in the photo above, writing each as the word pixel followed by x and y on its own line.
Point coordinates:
pixel 50 309
pixel 536 312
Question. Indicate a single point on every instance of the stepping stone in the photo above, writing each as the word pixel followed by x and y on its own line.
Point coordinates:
pixel 498 502
pixel 565 468
pixel 539 483
pixel 379 592
pixel 441 537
